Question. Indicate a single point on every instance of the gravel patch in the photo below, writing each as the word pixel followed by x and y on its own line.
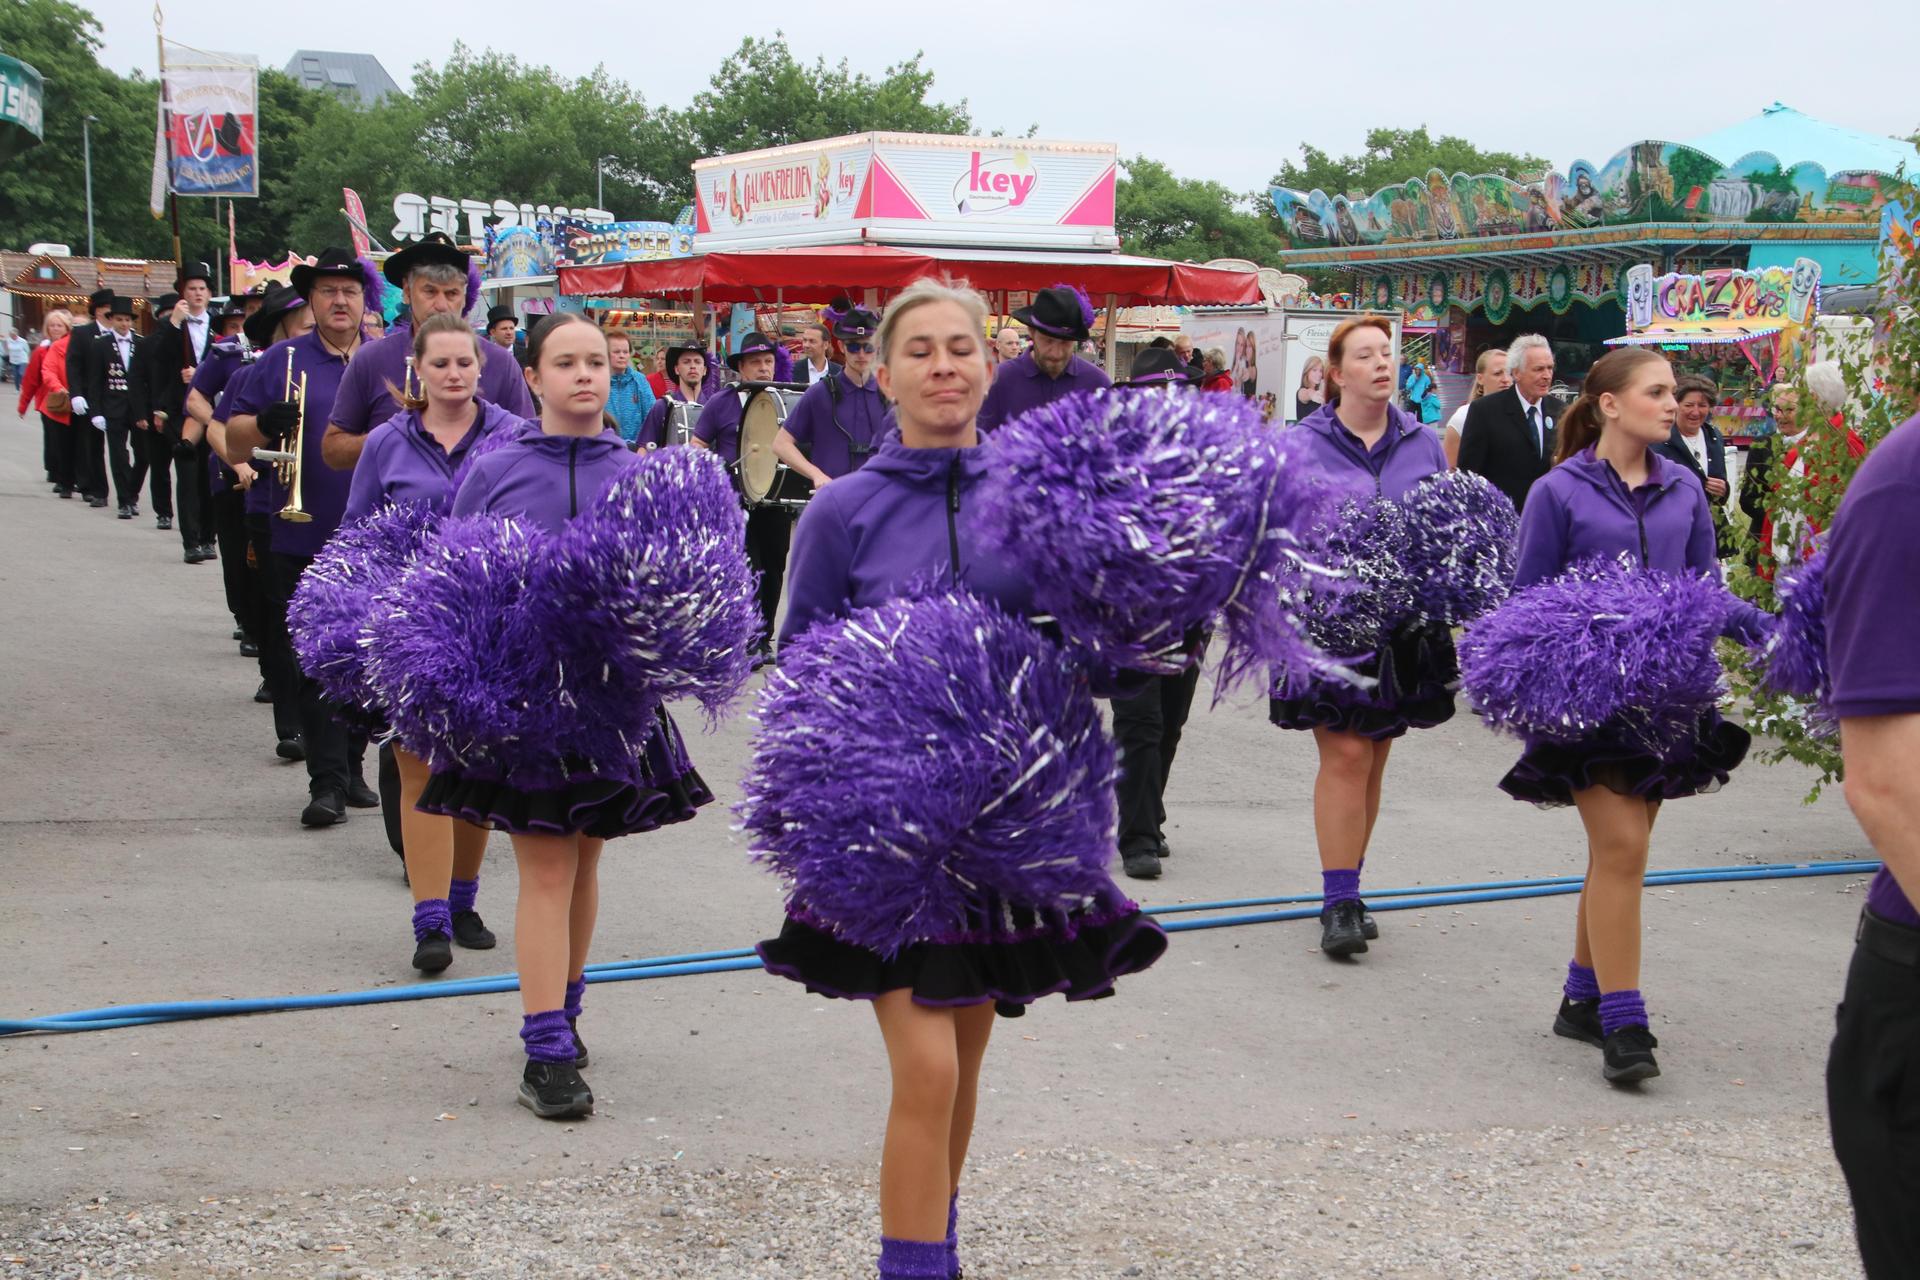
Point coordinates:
pixel 1757 1199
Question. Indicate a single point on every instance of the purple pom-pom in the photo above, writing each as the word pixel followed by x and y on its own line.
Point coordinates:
pixel 1353 611
pixel 649 590
pixel 921 757
pixel 473 286
pixel 1793 661
pixel 1140 516
pixel 373 285
pixel 1463 550
pixel 1603 648
pixel 458 658
pixel 328 614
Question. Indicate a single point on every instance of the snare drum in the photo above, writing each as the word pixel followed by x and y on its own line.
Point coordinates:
pixel 680 419
pixel 763 479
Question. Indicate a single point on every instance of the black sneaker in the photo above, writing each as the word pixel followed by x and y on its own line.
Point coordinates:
pixel 362 796
pixel 471 932
pixel 239 633
pixel 166 523
pixel 294 748
pixel 1165 851
pixel 1627 1056
pixel 324 810
pixel 1340 931
pixel 1368 929
pixel 580 1059
pixel 1141 864
pixel 1579 1020
pixel 96 502
pixel 248 649
pixel 263 694
pixel 126 513
pixel 434 953
pixel 555 1091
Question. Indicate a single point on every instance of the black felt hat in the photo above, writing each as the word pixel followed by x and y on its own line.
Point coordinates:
pixel 281 298
pixel 193 271
pixel 120 306
pixel 98 299
pixel 1060 312
pixel 496 314
pixel 857 323
pixel 752 345
pixel 436 247
pixel 673 359
pixel 1160 367
pixel 329 262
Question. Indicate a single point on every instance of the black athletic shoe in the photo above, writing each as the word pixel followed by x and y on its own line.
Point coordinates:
pixel 1165 850
pixel 1579 1020
pixel 248 649
pixel 1141 864
pixel 61 491
pixel 362 796
pixel 580 1059
pixel 96 502
pixel 126 513
pixel 1368 929
pixel 239 633
pixel 471 932
pixel 434 953
pixel 263 694
pixel 1340 932
pixel 555 1091
pixel 165 523
pixel 294 748
pixel 191 556
pixel 1627 1056
pixel 324 810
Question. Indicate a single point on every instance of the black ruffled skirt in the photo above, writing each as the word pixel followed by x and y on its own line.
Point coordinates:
pixel 663 788
pixel 1417 674
pixel 1548 773
pixel 1007 955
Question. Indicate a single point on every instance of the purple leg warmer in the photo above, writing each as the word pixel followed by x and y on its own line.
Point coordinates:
pixel 1581 983
pixel 1621 1009
pixel 913 1259
pixel 1339 886
pixel 462 893
pixel 953 1236
pixel 576 992
pixel 548 1037
pixel 431 916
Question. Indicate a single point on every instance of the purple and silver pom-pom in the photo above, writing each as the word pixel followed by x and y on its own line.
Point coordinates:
pixel 1604 649
pixel 373 286
pixel 1140 516
pixel 924 756
pixel 650 590
pixel 1793 661
pixel 1354 610
pixel 327 616
pixel 1463 549
pixel 456 653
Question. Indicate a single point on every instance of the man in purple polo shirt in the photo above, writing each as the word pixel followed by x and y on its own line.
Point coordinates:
pixel 432 273
pixel 1060 319
pixel 264 414
pixel 842 418
pixel 769 529
pixel 1873 1073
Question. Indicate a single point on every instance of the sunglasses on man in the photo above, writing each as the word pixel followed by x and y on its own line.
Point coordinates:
pixel 857 346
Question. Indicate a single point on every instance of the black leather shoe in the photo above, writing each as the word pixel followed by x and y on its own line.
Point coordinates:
pixel 239 633
pixel 163 522
pixel 190 556
pixel 1340 931
pixel 263 694
pixel 1368 929
pixel 555 1091
pixel 471 932
pixel 126 513
pixel 96 502
pixel 294 748
pixel 1141 864
pixel 580 1059
pixel 62 492
pixel 248 649
pixel 434 953
pixel 1166 850
pixel 362 796
pixel 762 656
pixel 1627 1056
pixel 1579 1020
pixel 324 810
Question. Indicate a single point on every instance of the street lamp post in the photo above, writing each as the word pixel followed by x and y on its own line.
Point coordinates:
pixel 86 147
pixel 600 182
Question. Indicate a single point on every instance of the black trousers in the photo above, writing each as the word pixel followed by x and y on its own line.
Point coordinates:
pixel 228 510
pixel 769 534
pixel 158 468
pixel 334 753
pixel 1873 1104
pixel 50 450
pixel 277 665
pixel 195 489
pixel 126 461
pixel 88 450
pixel 1147 728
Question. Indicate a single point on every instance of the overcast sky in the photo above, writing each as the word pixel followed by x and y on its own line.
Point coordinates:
pixel 1224 91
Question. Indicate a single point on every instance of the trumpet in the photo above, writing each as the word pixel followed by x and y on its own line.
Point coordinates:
pixel 286 463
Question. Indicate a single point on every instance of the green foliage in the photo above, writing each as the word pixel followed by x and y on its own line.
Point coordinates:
pixel 1395 155
pixel 1187 219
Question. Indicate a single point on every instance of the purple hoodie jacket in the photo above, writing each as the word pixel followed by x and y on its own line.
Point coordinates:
pixel 1582 508
pixel 403 463
pixel 543 480
pixel 1404 455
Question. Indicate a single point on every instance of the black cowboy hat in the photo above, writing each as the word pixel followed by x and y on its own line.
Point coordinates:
pixel 857 323
pixel 98 299
pixel 434 247
pixel 496 314
pixel 1059 312
pixel 330 262
pixel 120 306
pixel 1161 367
pixel 231 309
pixel 193 271
pixel 673 359
pixel 753 344
pixel 281 299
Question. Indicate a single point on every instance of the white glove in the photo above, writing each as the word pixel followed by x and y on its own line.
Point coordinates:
pixel 79 404
pixel 99 423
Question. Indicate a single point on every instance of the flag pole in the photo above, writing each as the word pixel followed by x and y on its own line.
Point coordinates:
pixel 173 201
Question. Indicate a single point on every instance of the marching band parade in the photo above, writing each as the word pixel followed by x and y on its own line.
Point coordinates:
pixel 965 568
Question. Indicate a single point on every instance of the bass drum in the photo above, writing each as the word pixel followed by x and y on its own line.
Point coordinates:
pixel 764 480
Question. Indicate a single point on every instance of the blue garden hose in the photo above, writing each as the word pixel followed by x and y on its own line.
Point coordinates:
pixel 1294 907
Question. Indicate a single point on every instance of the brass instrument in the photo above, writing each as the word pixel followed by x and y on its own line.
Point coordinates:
pixel 286 462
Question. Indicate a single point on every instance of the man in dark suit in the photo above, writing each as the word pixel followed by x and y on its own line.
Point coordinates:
pixel 170 354
pixel 111 402
pixel 1509 435
pixel 89 450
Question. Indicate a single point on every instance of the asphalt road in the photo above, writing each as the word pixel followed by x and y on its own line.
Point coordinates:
pixel 149 850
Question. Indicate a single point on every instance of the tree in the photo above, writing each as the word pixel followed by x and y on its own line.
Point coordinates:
pixel 1187 219
pixel 1395 155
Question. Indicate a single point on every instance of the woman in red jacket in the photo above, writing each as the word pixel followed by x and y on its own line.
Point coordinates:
pixel 46 373
pixel 1216 376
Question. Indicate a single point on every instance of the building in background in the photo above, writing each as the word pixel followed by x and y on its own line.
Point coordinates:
pixel 357 77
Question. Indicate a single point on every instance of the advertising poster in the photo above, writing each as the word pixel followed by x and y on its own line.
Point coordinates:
pixel 1273 355
pixel 593 244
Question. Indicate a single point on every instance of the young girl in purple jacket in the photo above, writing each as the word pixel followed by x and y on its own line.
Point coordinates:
pixel 1609 495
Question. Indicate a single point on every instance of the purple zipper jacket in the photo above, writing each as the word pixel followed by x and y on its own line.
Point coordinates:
pixel 1405 454
pixel 364 401
pixel 543 480
pixel 1020 385
pixel 403 463
pixel 1582 508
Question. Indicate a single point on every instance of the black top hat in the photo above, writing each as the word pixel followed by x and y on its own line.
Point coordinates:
pixel 164 303
pixel 330 262
pixel 752 345
pixel 1160 367
pixel 1060 312
pixel 434 247
pixel 193 271
pixel 98 299
pixel 496 314
pixel 857 323
pixel 120 306
pixel 281 298
pixel 673 360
